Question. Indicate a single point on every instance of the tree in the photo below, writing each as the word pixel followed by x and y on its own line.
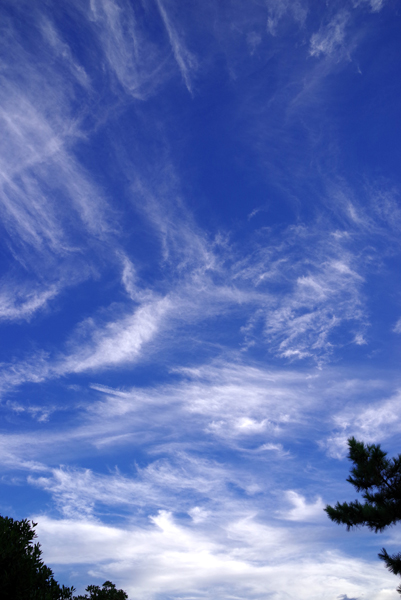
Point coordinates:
pixel 23 575
pixel 379 480
pixel 108 592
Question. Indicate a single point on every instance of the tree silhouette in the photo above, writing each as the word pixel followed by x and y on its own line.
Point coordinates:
pixel 23 575
pixel 378 478
pixel 108 592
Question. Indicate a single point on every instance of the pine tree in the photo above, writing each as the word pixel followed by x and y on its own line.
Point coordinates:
pixel 378 478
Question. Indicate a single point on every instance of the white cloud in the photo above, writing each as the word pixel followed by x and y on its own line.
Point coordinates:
pixel 17 304
pixel 175 484
pixel 184 245
pixel 372 424
pixel 196 517
pixel 241 558
pixel 186 61
pixel 318 293
pixel 62 49
pixel 375 5
pixel 301 510
pixel 39 179
pixel 39 413
pixel 330 39
pixel 397 326
pixel 119 342
pixel 277 9
pixel 360 340
pixel 52 211
pixel 138 63
pixel 223 402
pixel 129 280
pixel 198 514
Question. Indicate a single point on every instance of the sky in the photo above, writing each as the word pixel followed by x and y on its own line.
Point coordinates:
pixel 200 298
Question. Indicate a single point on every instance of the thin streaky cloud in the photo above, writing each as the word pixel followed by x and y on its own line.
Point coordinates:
pixel 120 342
pixel 24 303
pixel 63 50
pixel 186 61
pixel 322 291
pixel 375 5
pixel 138 63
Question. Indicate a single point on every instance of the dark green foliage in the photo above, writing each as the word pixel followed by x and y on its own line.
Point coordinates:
pixel 108 592
pixel 23 575
pixel 378 478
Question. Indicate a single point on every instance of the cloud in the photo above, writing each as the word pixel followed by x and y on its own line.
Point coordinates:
pixel 186 61
pixel 375 5
pixel 184 245
pixel 17 304
pixel 181 501
pixel 92 347
pixel 174 363
pixel 40 413
pixel 53 214
pixel 239 406
pixel 63 50
pixel 292 295
pixel 330 39
pixel 319 292
pixel 40 180
pixel 119 342
pixel 360 340
pixel 129 279
pixel 176 484
pixel 277 9
pixel 241 558
pixel 302 511
pixel 372 424
pixel 136 60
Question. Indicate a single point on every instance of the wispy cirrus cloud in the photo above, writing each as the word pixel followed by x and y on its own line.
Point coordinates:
pixel 375 423
pixel 52 210
pixel 183 243
pixel 36 169
pixel 241 406
pixel 62 50
pixel 23 303
pixel 186 61
pixel 170 409
pixel 138 62
pixel 330 39
pixel 317 293
pixel 375 5
pixel 119 342
pixel 277 9
pixel 178 483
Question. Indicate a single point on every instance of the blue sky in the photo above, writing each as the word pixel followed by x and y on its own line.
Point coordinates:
pixel 200 294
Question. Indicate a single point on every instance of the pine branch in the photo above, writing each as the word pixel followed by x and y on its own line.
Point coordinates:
pixel 393 563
